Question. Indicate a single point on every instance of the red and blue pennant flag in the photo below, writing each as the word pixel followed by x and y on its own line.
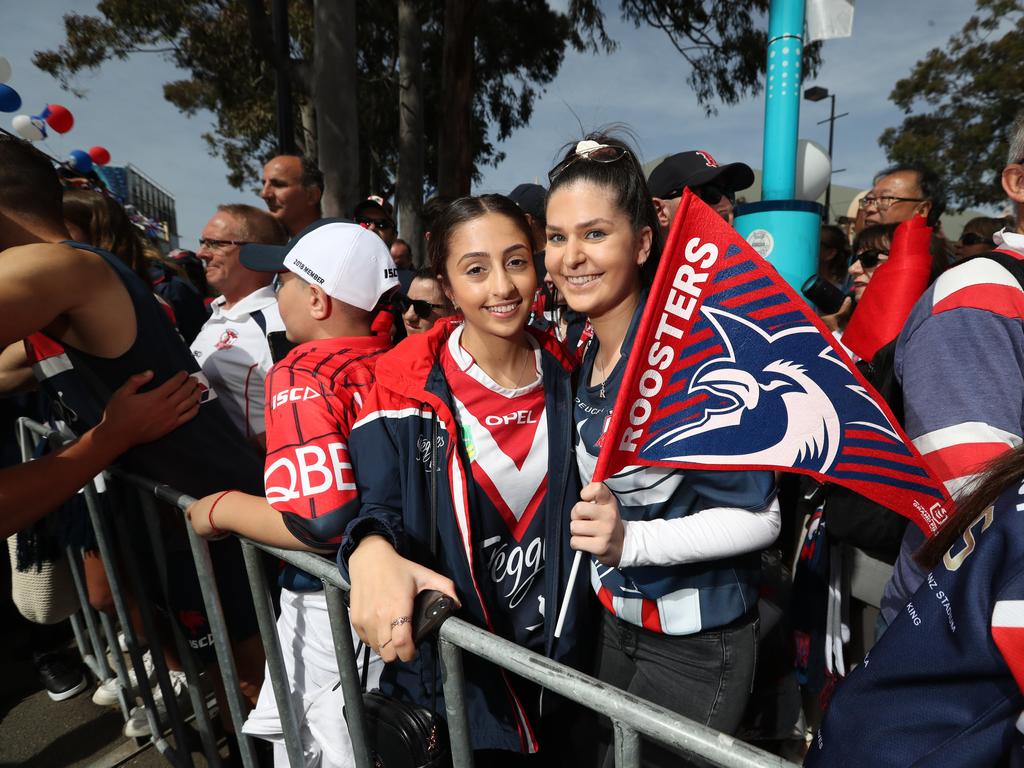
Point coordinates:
pixel 730 369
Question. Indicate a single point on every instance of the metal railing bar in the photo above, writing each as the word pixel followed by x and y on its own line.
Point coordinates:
pixel 632 716
pixel 454 682
pixel 344 653
pixel 275 659
pixel 651 720
pixel 149 625
pixel 97 660
pixel 627 746
pixel 117 658
pixel 118 593
pixel 222 645
pixel 152 520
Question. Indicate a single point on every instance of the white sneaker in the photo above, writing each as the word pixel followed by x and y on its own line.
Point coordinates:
pixel 147 663
pixel 106 693
pixel 138 725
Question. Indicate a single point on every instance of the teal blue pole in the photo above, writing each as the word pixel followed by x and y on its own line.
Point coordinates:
pixel 782 99
pixel 783 230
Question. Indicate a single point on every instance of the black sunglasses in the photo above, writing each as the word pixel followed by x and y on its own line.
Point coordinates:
pixel 378 223
pixel 709 193
pixel 869 259
pixel 423 309
pixel 973 238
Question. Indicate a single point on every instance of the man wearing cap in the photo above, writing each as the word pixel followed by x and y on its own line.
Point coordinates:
pixel 375 213
pixel 532 198
pixel 232 347
pixel 715 184
pixel 292 189
pixel 332 278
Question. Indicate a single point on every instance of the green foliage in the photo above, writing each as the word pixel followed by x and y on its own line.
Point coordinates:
pixel 223 48
pixel 724 41
pixel 960 102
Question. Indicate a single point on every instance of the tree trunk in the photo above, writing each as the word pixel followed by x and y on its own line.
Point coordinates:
pixel 336 103
pixel 454 143
pixel 307 132
pixel 409 186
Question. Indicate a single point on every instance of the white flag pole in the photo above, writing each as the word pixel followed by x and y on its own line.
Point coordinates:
pixel 568 593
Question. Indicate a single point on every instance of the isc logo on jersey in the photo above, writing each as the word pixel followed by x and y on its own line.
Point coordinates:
pixel 314 470
pixel 293 395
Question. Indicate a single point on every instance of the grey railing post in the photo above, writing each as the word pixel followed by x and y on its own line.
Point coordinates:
pixel 632 717
pixel 351 689
pixel 455 703
pixel 627 746
pixel 221 644
pixel 185 654
pixel 97 659
pixel 275 660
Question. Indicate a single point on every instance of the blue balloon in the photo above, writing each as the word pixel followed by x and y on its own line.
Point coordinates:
pixel 80 160
pixel 10 101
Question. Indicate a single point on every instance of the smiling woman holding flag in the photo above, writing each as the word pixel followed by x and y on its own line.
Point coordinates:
pixel 675 554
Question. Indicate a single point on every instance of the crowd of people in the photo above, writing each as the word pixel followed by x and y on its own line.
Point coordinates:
pixel 430 415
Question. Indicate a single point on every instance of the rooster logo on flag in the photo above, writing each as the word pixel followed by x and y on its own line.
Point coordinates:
pixel 730 369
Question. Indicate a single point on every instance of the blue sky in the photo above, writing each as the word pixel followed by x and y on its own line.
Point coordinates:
pixel 642 84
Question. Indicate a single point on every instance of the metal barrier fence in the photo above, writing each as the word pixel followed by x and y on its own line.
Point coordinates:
pixel 631 717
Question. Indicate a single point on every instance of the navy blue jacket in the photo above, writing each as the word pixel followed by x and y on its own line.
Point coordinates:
pixel 390 446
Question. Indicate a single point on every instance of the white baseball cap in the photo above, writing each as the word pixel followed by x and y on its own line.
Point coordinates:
pixel 348 262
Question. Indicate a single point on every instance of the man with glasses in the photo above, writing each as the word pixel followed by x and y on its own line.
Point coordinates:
pixel 904 191
pixel 232 347
pixel 959 362
pixel 375 213
pixel 292 189
pixel 715 184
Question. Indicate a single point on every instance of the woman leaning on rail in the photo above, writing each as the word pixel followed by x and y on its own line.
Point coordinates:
pixel 462 455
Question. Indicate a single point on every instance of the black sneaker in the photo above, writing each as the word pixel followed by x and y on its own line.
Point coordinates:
pixel 61 677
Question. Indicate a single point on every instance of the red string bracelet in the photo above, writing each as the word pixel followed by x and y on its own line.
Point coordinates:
pixel 209 517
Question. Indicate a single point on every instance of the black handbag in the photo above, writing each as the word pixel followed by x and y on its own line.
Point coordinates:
pixel 399 734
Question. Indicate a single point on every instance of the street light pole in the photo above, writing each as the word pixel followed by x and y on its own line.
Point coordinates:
pixel 817 93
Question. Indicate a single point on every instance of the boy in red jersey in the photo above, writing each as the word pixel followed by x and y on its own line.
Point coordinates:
pixel 332 277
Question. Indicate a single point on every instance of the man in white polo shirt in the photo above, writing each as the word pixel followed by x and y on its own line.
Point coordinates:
pixel 232 347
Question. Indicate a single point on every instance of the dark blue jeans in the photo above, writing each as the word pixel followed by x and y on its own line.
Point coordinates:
pixel 706 677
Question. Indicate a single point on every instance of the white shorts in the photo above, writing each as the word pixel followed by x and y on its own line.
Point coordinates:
pixel 304 631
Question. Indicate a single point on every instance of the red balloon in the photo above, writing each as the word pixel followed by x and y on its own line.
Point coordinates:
pixel 59 118
pixel 99 155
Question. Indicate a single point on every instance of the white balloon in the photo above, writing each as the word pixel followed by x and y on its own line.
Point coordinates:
pixel 28 128
pixel 5 70
pixel 813 170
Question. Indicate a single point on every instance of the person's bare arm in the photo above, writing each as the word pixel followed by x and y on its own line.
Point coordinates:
pixel 248 516
pixel 37 286
pixel 74 295
pixel 32 490
pixel 15 371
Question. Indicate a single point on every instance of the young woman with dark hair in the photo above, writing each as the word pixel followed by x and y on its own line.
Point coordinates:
pixel 101 221
pixel 943 686
pixel 461 458
pixel 674 555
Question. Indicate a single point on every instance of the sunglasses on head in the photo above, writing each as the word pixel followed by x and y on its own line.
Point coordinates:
pixel 589 150
pixel 869 259
pixel 423 309
pixel 972 238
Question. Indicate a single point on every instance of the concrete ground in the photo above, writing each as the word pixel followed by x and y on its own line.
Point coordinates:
pixel 36 732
